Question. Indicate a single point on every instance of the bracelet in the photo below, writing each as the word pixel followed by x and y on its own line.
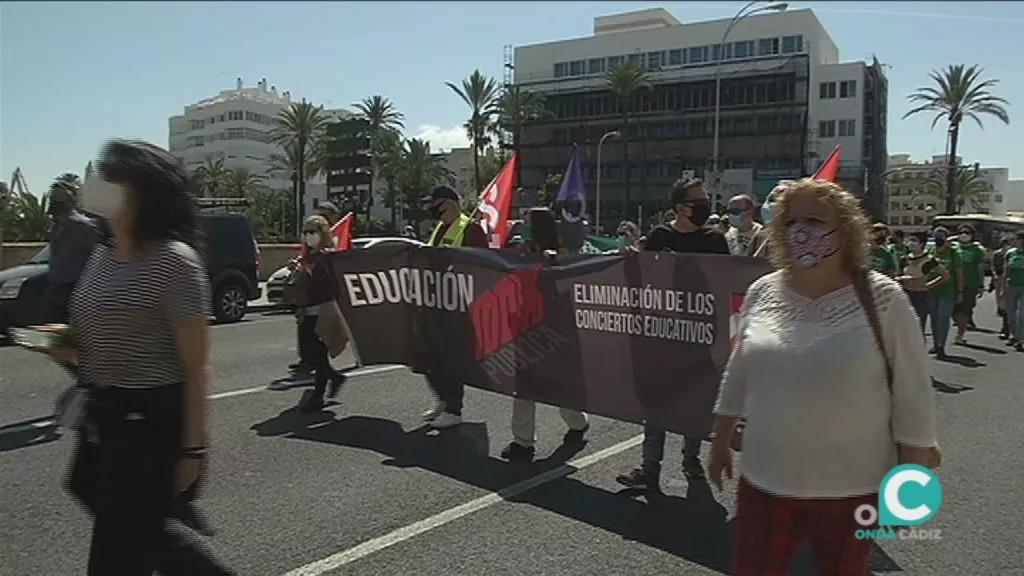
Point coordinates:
pixel 193 453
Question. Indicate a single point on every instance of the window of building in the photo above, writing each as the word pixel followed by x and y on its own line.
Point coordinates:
pixel 827 90
pixel 636 59
pixel 847 88
pixel 792 44
pixel 560 69
pixel 615 61
pixel 743 49
pixel 827 129
pixel 698 54
pixel 847 127
pixel 675 57
pixel 576 68
pixel 595 66
pixel 767 46
pixel 655 60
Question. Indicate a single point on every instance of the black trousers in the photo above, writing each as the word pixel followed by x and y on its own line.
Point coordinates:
pixel 314 352
pixel 57 297
pixel 126 480
pixel 448 388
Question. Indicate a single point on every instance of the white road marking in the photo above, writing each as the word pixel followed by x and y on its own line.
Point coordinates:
pixel 404 533
pixel 217 396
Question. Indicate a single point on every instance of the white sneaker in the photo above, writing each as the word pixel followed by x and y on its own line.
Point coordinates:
pixel 434 412
pixel 446 420
pixel 960 340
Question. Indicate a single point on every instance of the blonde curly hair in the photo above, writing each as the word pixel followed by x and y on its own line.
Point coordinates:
pixel 320 224
pixel 854 228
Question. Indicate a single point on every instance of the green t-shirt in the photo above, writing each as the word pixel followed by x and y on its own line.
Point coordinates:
pixel 883 259
pixel 1015 267
pixel 949 256
pixel 900 251
pixel 972 255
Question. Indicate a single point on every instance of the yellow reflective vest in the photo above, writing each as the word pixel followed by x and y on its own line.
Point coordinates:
pixel 454 235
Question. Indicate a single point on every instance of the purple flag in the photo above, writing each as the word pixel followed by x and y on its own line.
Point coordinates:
pixel 572 195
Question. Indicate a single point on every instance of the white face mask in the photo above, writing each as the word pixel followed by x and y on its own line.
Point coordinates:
pixel 965 238
pixel 102 198
pixel 914 246
pixel 312 240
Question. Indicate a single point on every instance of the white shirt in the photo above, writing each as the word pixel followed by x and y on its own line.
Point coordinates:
pixel 740 242
pixel 809 377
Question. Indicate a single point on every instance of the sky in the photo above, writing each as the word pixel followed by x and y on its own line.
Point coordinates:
pixel 75 74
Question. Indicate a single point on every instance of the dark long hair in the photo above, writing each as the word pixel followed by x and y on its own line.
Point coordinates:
pixel 162 191
pixel 544 229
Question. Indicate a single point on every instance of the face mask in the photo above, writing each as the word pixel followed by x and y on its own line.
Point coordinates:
pixel 436 211
pixel 312 239
pixel 623 241
pixel 939 241
pixel 766 212
pixel 965 238
pixel 914 246
pixel 102 198
pixel 700 212
pixel 879 239
pixel 735 220
pixel 809 246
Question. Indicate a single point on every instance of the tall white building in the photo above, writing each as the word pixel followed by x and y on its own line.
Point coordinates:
pixel 1015 196
pixel 786 101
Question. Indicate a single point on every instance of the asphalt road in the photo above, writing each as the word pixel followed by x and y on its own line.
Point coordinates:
pixel 363 489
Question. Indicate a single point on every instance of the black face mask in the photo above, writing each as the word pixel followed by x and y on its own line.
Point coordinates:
pixel 939 241
pixel 699 212
pixel 57 208
pixel 436 211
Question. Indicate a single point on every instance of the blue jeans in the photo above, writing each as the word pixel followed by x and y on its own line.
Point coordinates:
pixel 922 307
pixel 653 451
pixel 1014 298
pixel 941 311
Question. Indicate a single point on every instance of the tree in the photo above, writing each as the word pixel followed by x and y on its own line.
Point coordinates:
pixel 238 182
pixel 211 177
pixel 385 123
pixel 388 155
pixel 968 187
pixel 299 129
pixel 270 214
pixel 420 172
pixel 480 93
pixel 491 164
pixel 516 108
pixel 625 82
pixel 549 190
pixel 959 92
pixel 25 218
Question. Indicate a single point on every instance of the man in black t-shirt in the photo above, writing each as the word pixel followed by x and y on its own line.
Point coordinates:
pixel 692 206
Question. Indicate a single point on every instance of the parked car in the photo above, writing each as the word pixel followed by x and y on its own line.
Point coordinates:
pixel 276 282
pixel 232 262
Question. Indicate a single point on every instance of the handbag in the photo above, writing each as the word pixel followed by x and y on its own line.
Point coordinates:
pixel 862 288
pixel 296 289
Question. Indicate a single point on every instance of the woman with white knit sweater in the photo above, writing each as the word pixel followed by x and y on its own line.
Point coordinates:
pixel 832 376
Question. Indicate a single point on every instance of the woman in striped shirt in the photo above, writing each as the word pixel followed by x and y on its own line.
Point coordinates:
pixel 139 337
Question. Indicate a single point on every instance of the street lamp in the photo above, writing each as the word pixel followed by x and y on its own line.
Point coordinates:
pixel 597 207
pixel 748 10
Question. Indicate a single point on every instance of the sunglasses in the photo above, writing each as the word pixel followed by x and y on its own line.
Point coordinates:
pixel 311 231
pixel 737 211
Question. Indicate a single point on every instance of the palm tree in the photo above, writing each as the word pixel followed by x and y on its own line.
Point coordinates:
pixel 383 117
pixel 968 188
pixel 959 92
pixel 240 182
pixel 625 82
pixel 421 171
pixel 516 108
pixel 211 176
pixel 388 156
pixel 300 128
pixel 480 93
pixel 31 220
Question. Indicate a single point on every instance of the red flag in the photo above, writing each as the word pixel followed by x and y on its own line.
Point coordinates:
pixel 341 233
pixel 829 169
pixel 496 203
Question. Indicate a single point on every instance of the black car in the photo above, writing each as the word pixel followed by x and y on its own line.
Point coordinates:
pixel 232 262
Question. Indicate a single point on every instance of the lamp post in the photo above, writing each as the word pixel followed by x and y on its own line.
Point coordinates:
pixel 597 207
pixel 750 9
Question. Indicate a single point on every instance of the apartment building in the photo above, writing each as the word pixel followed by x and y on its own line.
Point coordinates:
pixel 786 100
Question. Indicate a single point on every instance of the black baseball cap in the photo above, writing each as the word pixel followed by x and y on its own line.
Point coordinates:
pixel 443 193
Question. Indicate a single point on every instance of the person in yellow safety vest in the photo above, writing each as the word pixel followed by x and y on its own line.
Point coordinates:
pixel 454 230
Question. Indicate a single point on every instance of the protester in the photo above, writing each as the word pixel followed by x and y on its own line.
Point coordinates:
pixel 686 234
pixel 1013 277
pixel 921 272
pixel 540 231
pixel 410 232
pixel 742 229
pixel 454 230
pixel 898 244
pixel 972 255
pixel 668 217
pixel 945 295
pixel 998 285
pixel 882 257
pixel 760 242
pixel 140 338
pixel 628 236
pixel 810 374
pixel 314 292
pixel 302 367
pixel 714 222
pixel 74 238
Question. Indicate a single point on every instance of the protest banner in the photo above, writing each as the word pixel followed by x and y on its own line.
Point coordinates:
pixel 637 337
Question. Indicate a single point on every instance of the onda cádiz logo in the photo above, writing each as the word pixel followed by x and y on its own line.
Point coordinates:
pixel 909 496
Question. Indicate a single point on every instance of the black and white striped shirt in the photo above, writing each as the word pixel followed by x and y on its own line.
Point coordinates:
pixel 123 315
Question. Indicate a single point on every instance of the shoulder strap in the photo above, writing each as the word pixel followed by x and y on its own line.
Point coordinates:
pixel 862 287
